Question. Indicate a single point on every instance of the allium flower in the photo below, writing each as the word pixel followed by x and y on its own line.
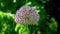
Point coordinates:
pixel 26 15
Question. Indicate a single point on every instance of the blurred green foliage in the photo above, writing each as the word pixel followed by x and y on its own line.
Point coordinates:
pixel 8 9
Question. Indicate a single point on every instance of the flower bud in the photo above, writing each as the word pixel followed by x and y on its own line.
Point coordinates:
pixel 26 15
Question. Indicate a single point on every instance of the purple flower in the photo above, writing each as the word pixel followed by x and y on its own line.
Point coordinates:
pixel 26 15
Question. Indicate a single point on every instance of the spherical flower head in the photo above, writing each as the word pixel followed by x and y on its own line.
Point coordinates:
pixel 26 15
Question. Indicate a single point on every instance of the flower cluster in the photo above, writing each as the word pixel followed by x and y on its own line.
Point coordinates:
pixel 26 15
